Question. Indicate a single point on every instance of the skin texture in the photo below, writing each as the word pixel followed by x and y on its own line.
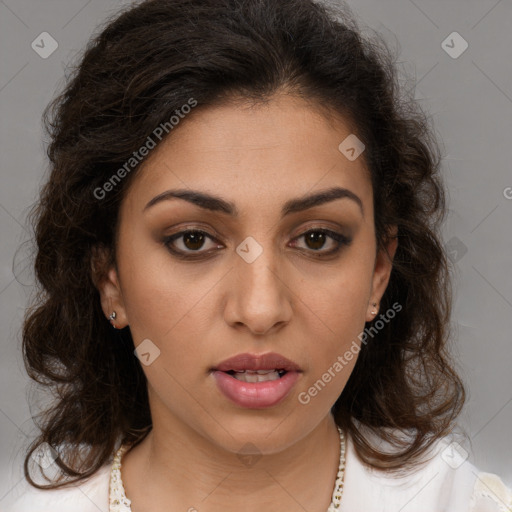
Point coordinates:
pixel 199 312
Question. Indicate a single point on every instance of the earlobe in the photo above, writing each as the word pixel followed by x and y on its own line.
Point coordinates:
pixel 107 283
pixel 382 272
pixel 112 300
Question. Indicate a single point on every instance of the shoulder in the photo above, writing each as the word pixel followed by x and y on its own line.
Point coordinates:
pixel 445 481
pixel 90 495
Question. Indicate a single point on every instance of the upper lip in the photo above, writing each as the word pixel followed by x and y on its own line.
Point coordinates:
pixel 269 361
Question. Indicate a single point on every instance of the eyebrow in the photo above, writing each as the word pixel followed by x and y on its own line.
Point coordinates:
pixel 217 204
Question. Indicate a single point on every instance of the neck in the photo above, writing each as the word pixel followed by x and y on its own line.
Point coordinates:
pixel 179 466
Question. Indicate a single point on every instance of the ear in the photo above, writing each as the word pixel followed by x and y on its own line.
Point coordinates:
pixel 382 272
pixel 106 280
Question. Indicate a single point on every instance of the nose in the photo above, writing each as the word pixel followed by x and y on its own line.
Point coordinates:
pixel 258 296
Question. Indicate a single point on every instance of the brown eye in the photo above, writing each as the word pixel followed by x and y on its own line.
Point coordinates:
pixel 189 241
pixel 193 240
pixel 316 239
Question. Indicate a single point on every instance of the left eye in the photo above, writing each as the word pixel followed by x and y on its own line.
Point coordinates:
pixel 315 240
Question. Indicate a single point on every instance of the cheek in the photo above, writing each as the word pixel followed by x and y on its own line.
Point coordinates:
pixel 336 327
pixel 172 312
pixel 160 295
pixel 339 295
pixel 336 307
pixel 333 350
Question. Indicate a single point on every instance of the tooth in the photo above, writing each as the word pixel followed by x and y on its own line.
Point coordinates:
pixel 254 372
pixel 251 377
pixel 256 377
pixel 261 372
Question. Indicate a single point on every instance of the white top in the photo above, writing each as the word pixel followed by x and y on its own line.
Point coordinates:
pixel 445 483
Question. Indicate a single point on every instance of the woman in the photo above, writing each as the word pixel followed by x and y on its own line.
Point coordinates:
pixel 245 298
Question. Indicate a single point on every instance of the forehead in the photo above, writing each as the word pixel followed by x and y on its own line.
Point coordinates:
pixel 284 147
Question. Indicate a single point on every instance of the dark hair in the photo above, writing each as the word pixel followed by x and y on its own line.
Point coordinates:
pixel 143 66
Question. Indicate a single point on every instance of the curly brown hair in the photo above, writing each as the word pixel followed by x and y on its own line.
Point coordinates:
pixel 147 62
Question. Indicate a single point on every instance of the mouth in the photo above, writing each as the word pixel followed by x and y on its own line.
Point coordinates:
pixel 256 381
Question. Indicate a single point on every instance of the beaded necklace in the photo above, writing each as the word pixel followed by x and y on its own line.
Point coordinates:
pixel 120 503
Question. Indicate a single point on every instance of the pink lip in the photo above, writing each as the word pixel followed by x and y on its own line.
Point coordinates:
pixel 269 361
pixel 255 395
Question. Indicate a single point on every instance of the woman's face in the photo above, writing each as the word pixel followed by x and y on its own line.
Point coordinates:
pixel 259 277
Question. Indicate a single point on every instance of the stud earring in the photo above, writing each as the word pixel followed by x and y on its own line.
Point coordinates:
pixel 374 311
pixel 111 318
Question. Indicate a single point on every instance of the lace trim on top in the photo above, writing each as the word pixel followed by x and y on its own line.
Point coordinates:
pixel 118 502
pixel 490 491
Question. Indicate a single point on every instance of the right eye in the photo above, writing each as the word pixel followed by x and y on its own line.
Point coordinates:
pixel 189 242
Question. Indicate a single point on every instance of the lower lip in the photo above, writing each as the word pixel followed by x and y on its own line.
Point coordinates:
pixel 255 395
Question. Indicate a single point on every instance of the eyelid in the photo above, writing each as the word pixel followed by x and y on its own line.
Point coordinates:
pixel 208 230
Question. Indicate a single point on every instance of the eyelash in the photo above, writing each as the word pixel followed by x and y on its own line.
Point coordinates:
pixel 341 240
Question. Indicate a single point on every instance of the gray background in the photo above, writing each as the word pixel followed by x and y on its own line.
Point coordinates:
pixel 470 101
